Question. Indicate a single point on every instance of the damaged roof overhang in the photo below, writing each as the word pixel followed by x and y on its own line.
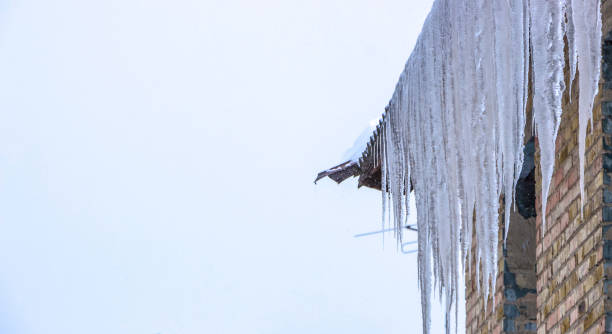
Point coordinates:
pixel 369 177
pixel 368 168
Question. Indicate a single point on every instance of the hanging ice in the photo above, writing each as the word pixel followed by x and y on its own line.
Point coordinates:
pixel 587 50
pixel 453 130
pixel 548 86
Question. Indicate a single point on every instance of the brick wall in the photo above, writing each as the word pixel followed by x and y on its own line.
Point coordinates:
pixel 519 313
pixel 560 280
pixel 572 271
pixel 481 318
pixel 514 308
pixel 569 252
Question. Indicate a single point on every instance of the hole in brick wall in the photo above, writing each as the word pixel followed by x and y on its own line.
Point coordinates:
pixel 525 187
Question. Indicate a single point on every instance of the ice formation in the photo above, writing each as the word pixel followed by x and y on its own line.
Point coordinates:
pixel 453 130
pixel 586 48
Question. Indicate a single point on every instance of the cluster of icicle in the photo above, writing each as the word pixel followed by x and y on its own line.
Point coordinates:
pixel 453 131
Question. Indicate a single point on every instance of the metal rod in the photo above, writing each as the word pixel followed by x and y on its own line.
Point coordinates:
pixel 409 227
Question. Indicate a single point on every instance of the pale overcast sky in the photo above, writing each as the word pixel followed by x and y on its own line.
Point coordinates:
pixel 157 159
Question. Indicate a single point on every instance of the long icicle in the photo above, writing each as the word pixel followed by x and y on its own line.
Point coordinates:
pixel 454 127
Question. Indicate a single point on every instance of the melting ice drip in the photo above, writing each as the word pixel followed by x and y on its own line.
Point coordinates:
pixel 454 128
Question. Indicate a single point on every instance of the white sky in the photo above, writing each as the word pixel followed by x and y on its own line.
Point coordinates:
pixel 157 159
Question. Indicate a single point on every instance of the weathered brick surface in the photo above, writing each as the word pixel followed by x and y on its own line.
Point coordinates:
pixel 520 276
pixel 571 252
pixel 481 316
pixel 567 286
pixel 514 308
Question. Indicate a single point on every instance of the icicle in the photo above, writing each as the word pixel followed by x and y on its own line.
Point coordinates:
pixel 384 166
pixel 548 62
pixel 587 41
pixel 571 45
pixel 454 128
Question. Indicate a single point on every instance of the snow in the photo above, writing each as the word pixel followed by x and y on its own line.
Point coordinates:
pixel 359 146
pixel 454 127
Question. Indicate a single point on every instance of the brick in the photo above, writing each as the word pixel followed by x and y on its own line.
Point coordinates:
pixel 573 255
